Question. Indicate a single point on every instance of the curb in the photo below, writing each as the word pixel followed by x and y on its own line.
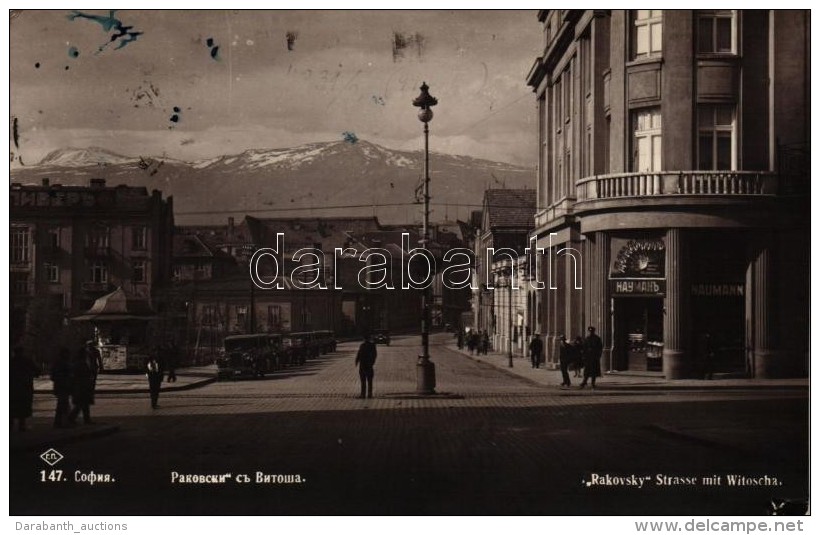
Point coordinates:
pixel 38 444
pixel 175 388
pixel 619 388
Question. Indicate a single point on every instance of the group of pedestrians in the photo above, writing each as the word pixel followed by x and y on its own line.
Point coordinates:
pixel 74 377
pixel 478 342
pixel 581 354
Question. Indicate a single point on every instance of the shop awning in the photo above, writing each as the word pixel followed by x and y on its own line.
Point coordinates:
pixel 118 306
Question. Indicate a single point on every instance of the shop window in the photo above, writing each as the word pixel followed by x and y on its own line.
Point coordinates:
pixel 274 317
pixel 716 32
pixel 716 133
pixel 647 33
pixel 98 236
pixel 646 140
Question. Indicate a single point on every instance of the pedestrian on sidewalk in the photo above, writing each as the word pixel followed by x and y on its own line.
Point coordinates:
pixel 460 339
pixel 154 373
pixel 22 372
pixel 566 356
pixel 593 348
pixel 536 350
pixel 485 341
pixel 578 363
pixel 173 362
pixel 61 379
pixel 365 359
pixel 472 339
pixel 83 381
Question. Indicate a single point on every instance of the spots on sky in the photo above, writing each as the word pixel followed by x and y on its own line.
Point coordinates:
pixel 211 44
pixel 291 36
pixel 402 42
pixel 350 137
pixel 15 132
pixel 37 65
pixel 73 52
pixel 187 141
pixel 150 165
pixel 145 95
pixel 378 100
pixel 120 33
pixel 66 67
pixel 175 117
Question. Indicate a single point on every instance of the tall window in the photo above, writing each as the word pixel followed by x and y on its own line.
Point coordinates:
pixel 274 317
pixel 716 129
pixel 20 253
pixel 138 270
pixel 138 238
pixel 19 283
pixel 52 272
pixel 242 316
pixel 647 33
pixel 716 32
pixel 646 148
pixel 98 236
pixel 98 272
pixel 53 238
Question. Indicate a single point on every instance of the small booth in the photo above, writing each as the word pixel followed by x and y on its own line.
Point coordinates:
pixel 120 330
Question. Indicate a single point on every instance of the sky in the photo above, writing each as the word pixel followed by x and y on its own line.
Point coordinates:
pixel 199 84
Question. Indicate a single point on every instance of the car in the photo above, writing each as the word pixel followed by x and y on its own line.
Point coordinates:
pixel 381 336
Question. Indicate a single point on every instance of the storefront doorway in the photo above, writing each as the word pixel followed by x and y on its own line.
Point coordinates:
pixel 638 334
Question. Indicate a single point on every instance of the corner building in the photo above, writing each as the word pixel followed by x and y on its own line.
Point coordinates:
pixel 674 156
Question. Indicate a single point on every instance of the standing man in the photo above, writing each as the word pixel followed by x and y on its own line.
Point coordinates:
pixel 154 373
pixel 365 359
pixel 61 377
pixel 82 387
pixel 536 350
pixel 22 372
pixel 173 361
pixel 593 348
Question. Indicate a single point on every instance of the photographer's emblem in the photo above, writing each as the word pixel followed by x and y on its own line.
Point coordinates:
pixel 51 456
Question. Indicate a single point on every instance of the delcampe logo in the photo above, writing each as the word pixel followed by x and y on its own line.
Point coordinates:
pixel 51 456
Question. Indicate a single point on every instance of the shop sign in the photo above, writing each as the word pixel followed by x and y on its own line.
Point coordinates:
pixel 718 290
pixel 637 287
pixel 640 258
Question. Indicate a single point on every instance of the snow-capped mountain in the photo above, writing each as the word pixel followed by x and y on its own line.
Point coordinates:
pixel 72 157
pixel 333 178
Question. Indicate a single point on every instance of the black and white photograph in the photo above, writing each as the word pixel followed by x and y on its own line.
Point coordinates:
pixel 409 263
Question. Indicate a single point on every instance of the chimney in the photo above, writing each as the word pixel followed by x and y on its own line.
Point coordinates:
pixel 97 183
pixel 46 183
pixel 230 228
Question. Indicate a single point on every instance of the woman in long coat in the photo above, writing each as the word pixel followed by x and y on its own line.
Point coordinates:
pixel 22 372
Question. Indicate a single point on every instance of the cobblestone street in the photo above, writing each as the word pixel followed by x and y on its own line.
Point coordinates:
pixel 499 444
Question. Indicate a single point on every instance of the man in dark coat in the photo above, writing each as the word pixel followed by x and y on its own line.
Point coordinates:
pixel 172 362
pixel 22 372
pixel 566 357
pixel 485 342
pixel 593 348
pixel 365 359
pixel 61 378
pixel 83 380
pixel 154 373
pixel 536 350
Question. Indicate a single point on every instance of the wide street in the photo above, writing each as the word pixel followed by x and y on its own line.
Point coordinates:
pixel 497 444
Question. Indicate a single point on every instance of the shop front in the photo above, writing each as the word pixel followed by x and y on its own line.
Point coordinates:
pixel 637 286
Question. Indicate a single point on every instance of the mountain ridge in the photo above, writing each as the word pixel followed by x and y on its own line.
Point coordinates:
pixel 309 179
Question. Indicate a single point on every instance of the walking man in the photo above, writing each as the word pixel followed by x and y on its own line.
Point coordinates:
pixel 83 384
pixel 593 348
pixel 365 359
pixel 566 357
pixel 536 350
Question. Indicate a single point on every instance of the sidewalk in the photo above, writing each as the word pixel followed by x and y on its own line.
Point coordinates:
pixel 615 382
pixel 124 383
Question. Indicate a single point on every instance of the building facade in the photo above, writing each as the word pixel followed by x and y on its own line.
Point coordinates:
pixel 70 245
pixel 673 175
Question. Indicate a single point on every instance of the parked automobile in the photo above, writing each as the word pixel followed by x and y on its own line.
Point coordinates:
pixel 381 336
pixel 326 341
pixel 251 355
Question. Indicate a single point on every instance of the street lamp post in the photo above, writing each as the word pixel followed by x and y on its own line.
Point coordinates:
pixel 425 370
pixel 505 281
